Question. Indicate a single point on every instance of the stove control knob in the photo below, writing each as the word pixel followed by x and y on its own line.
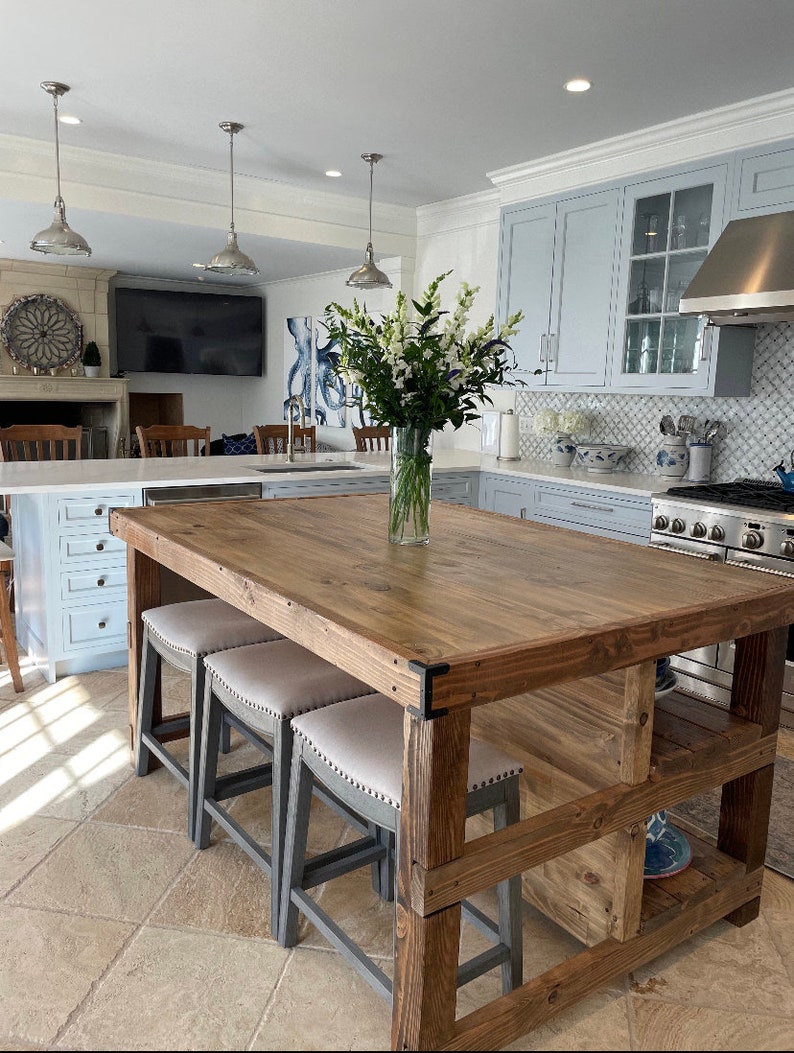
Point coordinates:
pixel 716 533
pixel 660 522
pixel 752 539
pixel 787 548
pixel 698 530
pixel 678 526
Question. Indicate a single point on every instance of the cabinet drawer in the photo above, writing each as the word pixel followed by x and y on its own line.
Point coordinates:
pixel 91 512
pixel 458 489
pixel 101 627
pixel 95 585
pixel 597 511
pixel 74 548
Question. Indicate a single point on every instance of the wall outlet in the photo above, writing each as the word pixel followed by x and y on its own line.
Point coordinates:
pixel 524 425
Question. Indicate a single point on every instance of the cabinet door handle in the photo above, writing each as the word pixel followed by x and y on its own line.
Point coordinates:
pixel 98 511
pixel 100 546
pixel 551 357
pixel 101 625
pixel 591 508
pixel 704 339
pixel 522 514
pixel 542 349
pixel 100 582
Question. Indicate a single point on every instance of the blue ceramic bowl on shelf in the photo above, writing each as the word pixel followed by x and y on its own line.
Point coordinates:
pixel 600 456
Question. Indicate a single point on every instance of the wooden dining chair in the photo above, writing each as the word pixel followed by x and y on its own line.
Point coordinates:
pixel 173 440
pixel 371 438
pixel 6 624
pixel 41 442
pixel 272 438
pixel 34 442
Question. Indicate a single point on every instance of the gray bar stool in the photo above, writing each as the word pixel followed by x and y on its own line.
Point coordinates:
pixel 182 634
pixel 355 750
pixel 262 687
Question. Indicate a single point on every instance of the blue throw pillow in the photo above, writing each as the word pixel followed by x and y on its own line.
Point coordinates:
pixel 234 444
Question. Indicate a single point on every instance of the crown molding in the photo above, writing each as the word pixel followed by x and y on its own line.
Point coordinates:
pixel 692 138
pixel 459 213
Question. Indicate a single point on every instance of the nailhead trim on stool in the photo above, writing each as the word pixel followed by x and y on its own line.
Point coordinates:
pixel 263 687
pixel 355 749
pixel 182 634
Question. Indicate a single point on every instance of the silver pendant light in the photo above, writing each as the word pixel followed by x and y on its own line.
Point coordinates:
pixel 230 260
pixel 367 276
pixel 59 239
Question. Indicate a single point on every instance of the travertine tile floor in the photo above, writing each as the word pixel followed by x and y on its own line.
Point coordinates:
pixel 116 934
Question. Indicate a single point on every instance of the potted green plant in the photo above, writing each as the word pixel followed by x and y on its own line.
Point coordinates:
pixel 92 360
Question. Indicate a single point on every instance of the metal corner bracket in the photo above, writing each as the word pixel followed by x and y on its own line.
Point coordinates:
pixel 427 674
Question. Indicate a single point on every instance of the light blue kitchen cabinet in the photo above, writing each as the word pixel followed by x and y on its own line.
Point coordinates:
pixel 456 487
pixel 669 225
pixel 764 181
pixel 608 513
pixel 506 494
pixel 557 265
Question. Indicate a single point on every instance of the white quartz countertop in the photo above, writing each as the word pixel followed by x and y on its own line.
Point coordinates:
pixel 126 473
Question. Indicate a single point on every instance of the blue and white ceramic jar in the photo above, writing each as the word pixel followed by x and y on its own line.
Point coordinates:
pixel 672 459
pixel 562 450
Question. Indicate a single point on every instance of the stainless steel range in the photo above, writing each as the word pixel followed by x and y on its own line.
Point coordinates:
pixel 748 523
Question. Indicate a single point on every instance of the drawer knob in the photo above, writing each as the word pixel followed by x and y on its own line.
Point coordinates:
pixel 100 582
pixel 100 546
pixel 98 511
pixel 102 625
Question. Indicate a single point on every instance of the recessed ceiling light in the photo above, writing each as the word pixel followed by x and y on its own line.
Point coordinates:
pixel 68 118
pixel 578 84
pixel 201 266
pixel 333 173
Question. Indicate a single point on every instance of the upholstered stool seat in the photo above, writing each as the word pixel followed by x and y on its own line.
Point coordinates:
pixel 182 634
pixel 355 749
pixel 261 687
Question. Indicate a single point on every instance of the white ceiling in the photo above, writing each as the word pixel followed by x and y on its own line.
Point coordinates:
pixel 446 90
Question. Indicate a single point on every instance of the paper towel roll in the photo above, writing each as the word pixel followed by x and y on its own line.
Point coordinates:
pixel 508 437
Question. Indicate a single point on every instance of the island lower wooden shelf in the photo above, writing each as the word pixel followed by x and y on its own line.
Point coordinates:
pixel 577 741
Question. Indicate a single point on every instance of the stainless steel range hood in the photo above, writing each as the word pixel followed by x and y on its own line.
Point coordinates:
pixel 748 277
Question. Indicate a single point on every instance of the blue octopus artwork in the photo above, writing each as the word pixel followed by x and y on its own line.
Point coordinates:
pixel 299 376
pixel 329 403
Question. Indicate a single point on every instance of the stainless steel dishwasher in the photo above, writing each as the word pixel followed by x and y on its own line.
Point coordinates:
pixel 173 587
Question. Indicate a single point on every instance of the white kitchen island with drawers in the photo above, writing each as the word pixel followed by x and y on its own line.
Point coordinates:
pixel 70 576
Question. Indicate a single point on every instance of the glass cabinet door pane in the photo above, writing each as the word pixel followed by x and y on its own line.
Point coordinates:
pixel 691 226
pixel 682 270
pixel 646 286
pixel 680 345
pixel 651 223
pixel 641 354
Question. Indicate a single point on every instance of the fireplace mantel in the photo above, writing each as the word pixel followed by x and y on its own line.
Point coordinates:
pixel 103 401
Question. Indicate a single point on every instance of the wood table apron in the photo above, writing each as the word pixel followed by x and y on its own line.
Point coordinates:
pixel 502 609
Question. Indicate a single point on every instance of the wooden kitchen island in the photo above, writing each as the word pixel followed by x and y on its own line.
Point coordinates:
pixel 541 639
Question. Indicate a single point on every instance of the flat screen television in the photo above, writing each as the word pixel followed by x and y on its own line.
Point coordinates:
pixel 162 331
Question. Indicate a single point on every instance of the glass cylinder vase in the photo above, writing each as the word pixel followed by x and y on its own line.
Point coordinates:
pixel 409 489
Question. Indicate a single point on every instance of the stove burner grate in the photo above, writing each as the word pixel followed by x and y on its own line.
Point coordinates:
pixel 750 493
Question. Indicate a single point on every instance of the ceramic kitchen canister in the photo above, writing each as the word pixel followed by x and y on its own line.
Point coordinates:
pixel 672 459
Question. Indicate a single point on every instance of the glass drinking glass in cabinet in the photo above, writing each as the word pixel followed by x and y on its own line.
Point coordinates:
pixel 678 237
pixel 704 229
pixel 642 347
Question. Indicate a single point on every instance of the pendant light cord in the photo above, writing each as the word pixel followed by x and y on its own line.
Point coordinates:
pixel 371 170
pixel 58 199
pixel 231 175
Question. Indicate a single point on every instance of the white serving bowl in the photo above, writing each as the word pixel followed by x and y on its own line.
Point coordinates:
pixel 600 456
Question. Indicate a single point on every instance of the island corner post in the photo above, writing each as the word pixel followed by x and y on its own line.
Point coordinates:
pixel 437 867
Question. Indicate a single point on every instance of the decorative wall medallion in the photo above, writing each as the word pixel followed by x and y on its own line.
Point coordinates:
pixel 41 332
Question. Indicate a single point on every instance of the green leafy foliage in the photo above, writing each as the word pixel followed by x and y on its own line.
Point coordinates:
pixel 423 370
pixel 91 355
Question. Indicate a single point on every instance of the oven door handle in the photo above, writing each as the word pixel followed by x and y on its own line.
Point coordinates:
pixel 666 546
pixel 747 564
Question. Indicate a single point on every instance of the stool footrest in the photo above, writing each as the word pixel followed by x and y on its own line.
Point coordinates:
pixel 174 727
pixel 258 855
pixel 487 926
pixel 482 963
pixel 167 758
pixel 342 860
pixel 244 781
pixel 247 733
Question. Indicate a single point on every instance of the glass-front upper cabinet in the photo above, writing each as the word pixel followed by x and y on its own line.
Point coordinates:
pixel 669 226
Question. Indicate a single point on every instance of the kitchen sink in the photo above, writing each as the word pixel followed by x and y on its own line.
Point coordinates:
pixel 321 466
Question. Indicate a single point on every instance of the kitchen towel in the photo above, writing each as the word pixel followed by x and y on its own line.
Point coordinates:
pixel 508 437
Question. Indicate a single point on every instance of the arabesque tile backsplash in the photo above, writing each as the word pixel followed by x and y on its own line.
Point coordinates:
pixel 757 431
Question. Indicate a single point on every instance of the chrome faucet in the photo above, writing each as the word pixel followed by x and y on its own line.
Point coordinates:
pixel 294 400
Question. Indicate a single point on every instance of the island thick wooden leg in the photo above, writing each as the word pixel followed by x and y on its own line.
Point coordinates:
pixel 143 592
pixel 744 807
pixel 432 831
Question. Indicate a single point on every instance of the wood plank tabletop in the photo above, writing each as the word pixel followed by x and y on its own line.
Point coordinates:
pixel 509 605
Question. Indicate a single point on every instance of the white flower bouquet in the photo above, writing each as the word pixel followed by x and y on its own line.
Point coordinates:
pixel 567 422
